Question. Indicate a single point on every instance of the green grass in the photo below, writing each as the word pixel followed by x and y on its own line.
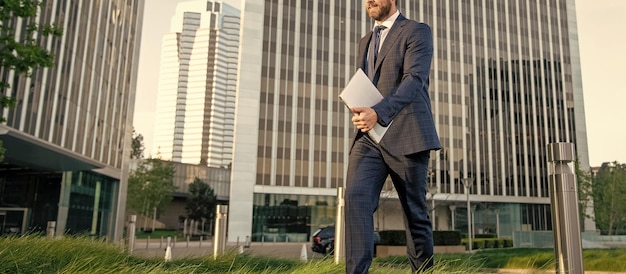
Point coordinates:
pixel 34 254
pixel 611 260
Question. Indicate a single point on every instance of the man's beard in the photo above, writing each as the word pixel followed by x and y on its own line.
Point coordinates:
pixel 380 12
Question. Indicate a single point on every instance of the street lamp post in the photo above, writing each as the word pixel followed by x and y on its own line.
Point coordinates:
pixel 432 190
pixel 467 182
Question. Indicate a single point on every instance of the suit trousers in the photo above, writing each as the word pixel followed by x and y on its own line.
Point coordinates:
pixel 369 165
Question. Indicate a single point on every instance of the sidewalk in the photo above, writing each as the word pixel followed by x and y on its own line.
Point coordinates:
pixel 283 250
pixel 195 250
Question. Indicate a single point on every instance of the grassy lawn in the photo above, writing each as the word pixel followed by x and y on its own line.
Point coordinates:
pixel 610 260
pixel 34 254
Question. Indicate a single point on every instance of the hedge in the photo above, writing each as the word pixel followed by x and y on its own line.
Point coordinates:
pixel 446 238
pixel 489 243
pixel 392 237
pixel 485 236
pixel 451 237
pixel 398 237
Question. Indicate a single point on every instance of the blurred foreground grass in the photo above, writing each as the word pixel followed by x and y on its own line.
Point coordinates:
pixel 33 254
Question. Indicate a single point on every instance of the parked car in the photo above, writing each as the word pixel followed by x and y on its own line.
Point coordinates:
pixel 323 240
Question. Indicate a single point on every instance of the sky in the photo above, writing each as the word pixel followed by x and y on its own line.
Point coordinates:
pixel 601 25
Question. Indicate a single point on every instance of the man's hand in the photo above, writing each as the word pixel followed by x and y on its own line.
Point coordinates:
pixel 364 118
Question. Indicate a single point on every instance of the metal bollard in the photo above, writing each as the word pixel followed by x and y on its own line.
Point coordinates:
pixel 221 222
pixel 185 232
pixel 565 217
pixel 131 233
pixel 52 225
pixel 339 226
pixel 168 250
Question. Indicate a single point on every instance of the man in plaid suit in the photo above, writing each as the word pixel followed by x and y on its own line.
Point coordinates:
pixel 400 71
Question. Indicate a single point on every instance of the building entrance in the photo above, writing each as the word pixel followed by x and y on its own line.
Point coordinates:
pixel 13 220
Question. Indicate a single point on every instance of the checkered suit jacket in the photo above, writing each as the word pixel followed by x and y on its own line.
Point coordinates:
pixel 402 72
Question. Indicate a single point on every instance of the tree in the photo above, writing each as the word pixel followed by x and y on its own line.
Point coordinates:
pixel 22 54
pixel 137 146
pixel 585 195
pixel 609 189
pixel 150 187
pixel 201 201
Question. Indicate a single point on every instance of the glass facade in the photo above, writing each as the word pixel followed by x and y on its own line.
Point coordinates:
pixel 21 190
pixel 503 219
pixel 503 86
pixel 74 119
pixel 291 218
pixel 79 202
pixel 89 200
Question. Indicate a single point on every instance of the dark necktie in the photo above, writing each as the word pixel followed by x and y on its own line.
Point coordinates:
pixel 373 51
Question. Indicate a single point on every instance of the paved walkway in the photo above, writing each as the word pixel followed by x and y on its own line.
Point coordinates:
pixel 196 249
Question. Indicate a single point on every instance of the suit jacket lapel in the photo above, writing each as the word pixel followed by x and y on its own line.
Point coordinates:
pixel 391 39
pixel 363 47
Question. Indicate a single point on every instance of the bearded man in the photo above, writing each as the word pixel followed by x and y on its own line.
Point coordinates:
pixel 396 56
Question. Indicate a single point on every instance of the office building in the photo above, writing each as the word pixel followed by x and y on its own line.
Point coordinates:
pixel 505 82
pixel 196 97
pixel 68 137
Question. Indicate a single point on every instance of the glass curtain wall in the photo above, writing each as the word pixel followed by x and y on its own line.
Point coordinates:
pixel 86 205
pixel 290 218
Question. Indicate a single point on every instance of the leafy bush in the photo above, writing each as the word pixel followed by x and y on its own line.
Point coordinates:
pixel 159 233
pixel 398 237
pixel 393 237
pixel 485 236
pixel 490 243
pixel 478 243
pixel 452 237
